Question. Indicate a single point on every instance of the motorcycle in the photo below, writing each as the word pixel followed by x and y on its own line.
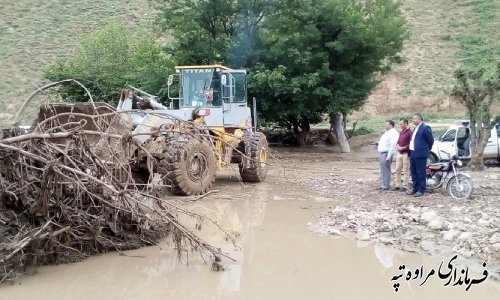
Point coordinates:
pixel 459 186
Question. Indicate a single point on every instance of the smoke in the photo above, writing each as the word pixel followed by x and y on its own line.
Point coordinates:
pixel 248 23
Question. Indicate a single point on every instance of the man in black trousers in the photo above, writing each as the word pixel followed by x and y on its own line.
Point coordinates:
pixel 420 148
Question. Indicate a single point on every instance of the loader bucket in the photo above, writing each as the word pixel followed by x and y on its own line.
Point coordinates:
pixel 100 119
pixel 61 114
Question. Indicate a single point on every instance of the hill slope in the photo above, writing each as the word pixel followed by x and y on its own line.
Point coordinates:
pixel 34 33
pixel 444 34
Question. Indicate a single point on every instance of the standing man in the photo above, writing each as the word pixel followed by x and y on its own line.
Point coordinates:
pixel 402 157
pixel 420 147
pixel 386 149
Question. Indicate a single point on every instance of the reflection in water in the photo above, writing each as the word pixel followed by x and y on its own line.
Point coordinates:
pixel 254 214
pixel 229 214
pixel 385 255
pixel 277 258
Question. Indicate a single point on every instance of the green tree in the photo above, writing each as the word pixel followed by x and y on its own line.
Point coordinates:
pixel 477 92
pixel 110 58
pixel 212 31
pixel 307 57
pixel 322 56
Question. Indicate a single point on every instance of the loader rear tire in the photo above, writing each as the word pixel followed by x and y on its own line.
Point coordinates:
pixel 256 170
pixel 189 165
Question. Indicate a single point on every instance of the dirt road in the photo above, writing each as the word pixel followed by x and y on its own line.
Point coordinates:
pixel 297 240
pixel 435 224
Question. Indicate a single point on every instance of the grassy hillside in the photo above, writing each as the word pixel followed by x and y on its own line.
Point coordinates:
pixel 34 33
pixel 444 35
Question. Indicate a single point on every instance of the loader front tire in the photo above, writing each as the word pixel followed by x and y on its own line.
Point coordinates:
pixel 255 169
pixel 189 165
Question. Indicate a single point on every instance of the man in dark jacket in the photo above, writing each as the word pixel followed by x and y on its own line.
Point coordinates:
pixel 420 147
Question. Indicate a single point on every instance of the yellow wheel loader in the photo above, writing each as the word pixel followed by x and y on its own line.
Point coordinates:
pixel 214 98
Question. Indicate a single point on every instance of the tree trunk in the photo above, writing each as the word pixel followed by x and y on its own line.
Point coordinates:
pixel 338 126
pixel 344 121
pixel 476 162
pixel 332 138
pixel 473 133
pixel 477 94
pixel 301 130
pixel 482 136
pixel 302 138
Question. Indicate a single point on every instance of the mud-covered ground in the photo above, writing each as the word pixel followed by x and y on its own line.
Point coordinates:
pixel 435 224
pixel 277 256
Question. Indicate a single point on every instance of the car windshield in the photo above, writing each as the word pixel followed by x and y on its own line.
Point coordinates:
pixel 196 86
pixel 441 136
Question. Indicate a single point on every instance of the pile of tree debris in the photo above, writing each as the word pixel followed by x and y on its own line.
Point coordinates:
pixel 60 203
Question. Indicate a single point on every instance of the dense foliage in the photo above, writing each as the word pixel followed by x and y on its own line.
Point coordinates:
pixel 213 31
pixel 320 56
pixel 306 58
pixel 110 58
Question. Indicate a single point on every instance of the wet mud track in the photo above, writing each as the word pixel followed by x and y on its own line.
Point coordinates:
pixel 282 251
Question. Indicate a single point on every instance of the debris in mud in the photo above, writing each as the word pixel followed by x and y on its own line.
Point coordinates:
pixel 217 265
pixel 60 203
pixel 317 137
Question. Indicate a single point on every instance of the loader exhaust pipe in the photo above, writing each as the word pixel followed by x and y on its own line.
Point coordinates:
pixel 254 115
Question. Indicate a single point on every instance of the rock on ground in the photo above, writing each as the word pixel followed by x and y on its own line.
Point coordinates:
pixel 469 227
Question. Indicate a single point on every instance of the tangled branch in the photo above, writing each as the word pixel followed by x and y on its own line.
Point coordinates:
pixel 61 202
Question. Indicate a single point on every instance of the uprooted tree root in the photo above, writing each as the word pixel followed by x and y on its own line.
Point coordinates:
pixel 67 190
pixel 63 203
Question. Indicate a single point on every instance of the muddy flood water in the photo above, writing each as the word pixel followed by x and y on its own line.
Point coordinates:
pixel 279 256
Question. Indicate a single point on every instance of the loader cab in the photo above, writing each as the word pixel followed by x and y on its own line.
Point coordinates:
pixel 198 87
pixel 219 92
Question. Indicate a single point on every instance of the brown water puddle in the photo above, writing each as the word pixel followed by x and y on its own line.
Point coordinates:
pixel 280 259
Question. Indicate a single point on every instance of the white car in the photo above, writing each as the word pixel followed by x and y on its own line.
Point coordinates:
pixel 456 141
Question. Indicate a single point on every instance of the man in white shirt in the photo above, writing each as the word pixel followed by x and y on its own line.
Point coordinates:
pixel 387 150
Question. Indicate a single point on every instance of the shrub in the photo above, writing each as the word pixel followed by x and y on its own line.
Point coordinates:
pixel 109 59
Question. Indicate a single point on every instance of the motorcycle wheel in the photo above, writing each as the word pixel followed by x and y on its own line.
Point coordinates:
pixel 460 187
